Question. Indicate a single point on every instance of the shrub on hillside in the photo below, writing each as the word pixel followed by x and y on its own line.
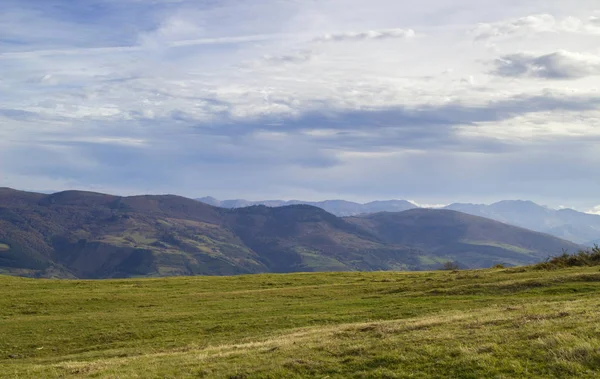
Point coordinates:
pixel 583 258
pixel 450 266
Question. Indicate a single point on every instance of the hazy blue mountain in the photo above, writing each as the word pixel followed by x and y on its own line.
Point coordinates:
pixel 579 227
pixel 593 243
pixel 210 201
pixel 341 208
pixel 238 203
pixel 389 206
pixel 568 224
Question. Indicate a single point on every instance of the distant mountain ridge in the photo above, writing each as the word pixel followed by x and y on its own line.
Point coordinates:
pixel 567 224
pixel 341 208
pixel 75 234
pixel 482 241
pixel 579 227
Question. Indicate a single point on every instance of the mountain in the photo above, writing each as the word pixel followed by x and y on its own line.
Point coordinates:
pixel 564 223
pixel 474 241
pixel 341 208
pixel 90 235
pixel 593 243
pixel 579 227
pixel 307 238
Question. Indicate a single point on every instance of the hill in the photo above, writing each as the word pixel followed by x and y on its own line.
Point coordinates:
pixel 579 227
pixel 568 224
pixel 90 235
pixel 510 323
pixel 306 238
pixel 473 241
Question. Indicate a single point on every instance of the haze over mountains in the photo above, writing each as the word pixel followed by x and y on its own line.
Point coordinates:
pixel 579 227
pixel 568 224
pixel 341 208
pixel 92 235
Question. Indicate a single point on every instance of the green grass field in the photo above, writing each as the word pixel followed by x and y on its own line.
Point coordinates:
pixel 502 323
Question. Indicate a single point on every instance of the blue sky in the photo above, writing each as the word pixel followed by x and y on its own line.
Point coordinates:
pixel 434 101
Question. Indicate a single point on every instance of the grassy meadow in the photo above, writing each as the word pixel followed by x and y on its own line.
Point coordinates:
pixel 496 323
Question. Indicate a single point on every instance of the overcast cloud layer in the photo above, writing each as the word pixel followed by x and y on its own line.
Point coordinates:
pixel 434 101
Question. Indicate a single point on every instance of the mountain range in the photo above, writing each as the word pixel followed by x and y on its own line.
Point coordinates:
pixel 341 208
pixel 579 227
pixel 76 234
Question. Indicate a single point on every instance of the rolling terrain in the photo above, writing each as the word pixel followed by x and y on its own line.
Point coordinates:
pixel 481 242
pixel 579 227
pixel 511 323
pixel 77 234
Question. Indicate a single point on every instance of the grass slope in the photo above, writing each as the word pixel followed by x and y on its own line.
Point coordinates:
pixel 502 323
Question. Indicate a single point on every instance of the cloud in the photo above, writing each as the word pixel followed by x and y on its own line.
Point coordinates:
pixel 136 48
pixel 539 23
pixel 368 35
pixel 421 205
pixel 558 65
pixel 270 99
pixel 297 57
pixel 533 23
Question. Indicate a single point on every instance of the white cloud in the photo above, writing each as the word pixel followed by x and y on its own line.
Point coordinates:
pixel 595 210
pixel 533 23
pixel 371 34
pixel 540 23
pixel 422 205
pixel 277 93
pixel 297 57
pixel 558 65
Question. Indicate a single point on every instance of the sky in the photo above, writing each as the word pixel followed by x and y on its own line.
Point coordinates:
pixel 436 101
